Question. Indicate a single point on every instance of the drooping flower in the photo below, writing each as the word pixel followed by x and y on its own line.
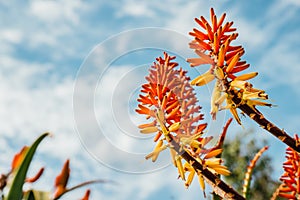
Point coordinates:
pixel 169 101
pixel 213 45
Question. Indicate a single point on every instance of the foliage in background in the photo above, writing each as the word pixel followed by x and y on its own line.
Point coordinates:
pixel 237 154
pixel 16 178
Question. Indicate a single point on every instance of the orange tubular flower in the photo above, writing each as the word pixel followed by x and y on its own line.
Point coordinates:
pixel 169 100
pixel 18 158
pixel 86 195
pixel 290 187
pixel 213 46
pixel 62 179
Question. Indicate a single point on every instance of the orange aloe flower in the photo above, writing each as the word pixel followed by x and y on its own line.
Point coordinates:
pixel 169 101
pixel 86 195
pixel 18 158
pixel 169 98
pixel 290 187
pixel 214 47
pixel 17 161
pixel 61 180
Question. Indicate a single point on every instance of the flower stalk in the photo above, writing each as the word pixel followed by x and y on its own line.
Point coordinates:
pixel 219 186
pixel 260 119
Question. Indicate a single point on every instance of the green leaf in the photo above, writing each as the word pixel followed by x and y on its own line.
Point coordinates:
pixel 16 192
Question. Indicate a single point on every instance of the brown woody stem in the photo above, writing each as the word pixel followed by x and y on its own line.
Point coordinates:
pixel 219 187
pixel 259 118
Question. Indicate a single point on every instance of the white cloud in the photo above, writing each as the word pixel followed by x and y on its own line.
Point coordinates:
pixel 11 35
pixel 135 9
pixel 57 11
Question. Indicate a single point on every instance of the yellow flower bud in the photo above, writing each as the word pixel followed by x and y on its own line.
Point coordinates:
pixel 203 79
pixel 174 127
pixel 151 129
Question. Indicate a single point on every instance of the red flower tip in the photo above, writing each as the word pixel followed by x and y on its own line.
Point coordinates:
pixel 214 43
pixel 168 89
pixel 62 180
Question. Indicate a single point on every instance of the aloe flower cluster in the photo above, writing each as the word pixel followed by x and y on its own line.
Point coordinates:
pixel 170 102
pixel 232 89
pixel 290 189
pixel 214 47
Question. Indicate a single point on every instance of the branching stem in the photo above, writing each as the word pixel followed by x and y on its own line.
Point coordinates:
pixel 219 187
pixel 259 118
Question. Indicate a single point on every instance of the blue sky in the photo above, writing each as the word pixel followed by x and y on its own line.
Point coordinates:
pixel 73 68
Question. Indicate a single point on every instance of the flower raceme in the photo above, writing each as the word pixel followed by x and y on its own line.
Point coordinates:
pixel 170 102
pixel 232 91
pixel 214 47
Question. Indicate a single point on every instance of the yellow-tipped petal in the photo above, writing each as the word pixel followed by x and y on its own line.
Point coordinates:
pixel 173 156
pixel 254 95
pixel 174 127
pixel 195 144
pixel 158 148
pixel 201 182
pixel 180 167
pixel 159 144
pixel 233 62
pixel 213 153
pixel 160 115
pixel 191 140
pixel 203 79
pixel 220 100
pixel 235 115
pixel 252 103
pixel 221 170
pixel 213 162
pixel 215 96
pixel 251 89
pixel 239 84
pixel 190 178
pixel 151 129
pixel 188 167
pixel 152 155
pixel 245 77
pixel 213 111
pixel 160 119
pixel 219 73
